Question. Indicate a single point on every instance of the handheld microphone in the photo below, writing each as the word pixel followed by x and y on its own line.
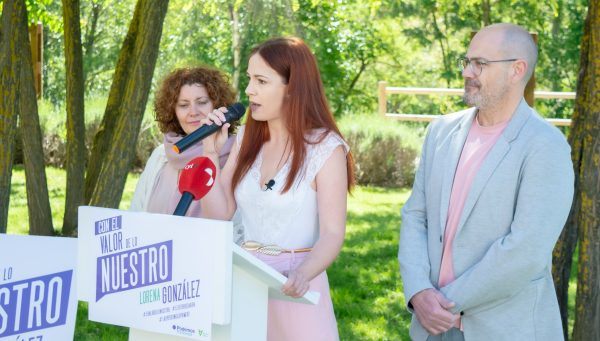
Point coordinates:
pixel 195 180
pixel 234 113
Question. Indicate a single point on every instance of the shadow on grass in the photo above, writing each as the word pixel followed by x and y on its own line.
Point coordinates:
pixel 16 188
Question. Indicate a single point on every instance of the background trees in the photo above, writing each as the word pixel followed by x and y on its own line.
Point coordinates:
pixel 408 43
pixel 102 58
pixel 110 160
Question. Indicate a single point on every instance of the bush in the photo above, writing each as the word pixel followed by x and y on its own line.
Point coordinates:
pixel 385 151
pixel 53 126
pixel 149 137
pixel 55 150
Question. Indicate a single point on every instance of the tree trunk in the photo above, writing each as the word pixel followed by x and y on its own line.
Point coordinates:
pixel 486 13
pixel 115 99
pixel 96 8
pixel 10 63
pixel 363 66
pixel 76 151
pixel 115 143
pixel 361 69
pixel 38 203
pixel 90 37
pixel 235 47
pixel 586 124
pixel 562 257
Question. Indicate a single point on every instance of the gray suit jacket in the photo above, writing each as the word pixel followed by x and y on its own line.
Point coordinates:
pixel 513 215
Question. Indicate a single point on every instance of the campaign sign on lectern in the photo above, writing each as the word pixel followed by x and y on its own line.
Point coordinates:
pixel 37 288
pixel 148 271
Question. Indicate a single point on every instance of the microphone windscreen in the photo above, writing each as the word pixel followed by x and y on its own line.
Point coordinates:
pixel 197 177
pixel 236 111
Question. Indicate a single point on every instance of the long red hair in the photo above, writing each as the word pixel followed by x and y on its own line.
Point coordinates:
pixel 304 108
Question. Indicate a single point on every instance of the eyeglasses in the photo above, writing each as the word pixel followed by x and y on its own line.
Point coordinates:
pixel 477 64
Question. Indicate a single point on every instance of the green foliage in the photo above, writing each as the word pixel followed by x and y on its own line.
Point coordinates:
pixel 195 33
pixel 200 33
pixel 53 72
pixel 343 51
pixel 441 25
pixel 443 29
pixel 104 26
pixel 42 11
pixel 357 43
pixel 384 151
pixel 101 44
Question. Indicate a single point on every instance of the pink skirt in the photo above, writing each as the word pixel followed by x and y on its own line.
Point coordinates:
pixel 289 321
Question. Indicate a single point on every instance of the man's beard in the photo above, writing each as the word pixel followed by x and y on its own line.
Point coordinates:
pixel 472 100
pixel 485 98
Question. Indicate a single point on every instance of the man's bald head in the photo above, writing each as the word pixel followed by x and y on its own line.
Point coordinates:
pixel 516 43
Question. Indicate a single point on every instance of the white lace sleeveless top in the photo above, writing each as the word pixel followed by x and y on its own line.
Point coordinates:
pixel 290 220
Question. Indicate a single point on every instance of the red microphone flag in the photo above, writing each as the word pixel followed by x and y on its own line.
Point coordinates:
pixel 197 177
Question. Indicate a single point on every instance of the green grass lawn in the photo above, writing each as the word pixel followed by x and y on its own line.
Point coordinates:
pixel 17 209
pixel 365 282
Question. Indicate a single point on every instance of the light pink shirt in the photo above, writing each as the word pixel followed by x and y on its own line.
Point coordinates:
pixel 479 142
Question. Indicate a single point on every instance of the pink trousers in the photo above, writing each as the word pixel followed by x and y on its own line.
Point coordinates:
pixel 289 321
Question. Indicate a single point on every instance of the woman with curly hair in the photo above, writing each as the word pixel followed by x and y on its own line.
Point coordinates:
pixel 184 98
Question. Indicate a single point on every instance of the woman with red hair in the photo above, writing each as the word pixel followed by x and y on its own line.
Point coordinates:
pixel 288 175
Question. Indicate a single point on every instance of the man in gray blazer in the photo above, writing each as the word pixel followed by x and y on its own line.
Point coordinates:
pixel 491 195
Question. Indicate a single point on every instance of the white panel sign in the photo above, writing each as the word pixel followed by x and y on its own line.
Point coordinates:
pixel 147 271
pixel 37 288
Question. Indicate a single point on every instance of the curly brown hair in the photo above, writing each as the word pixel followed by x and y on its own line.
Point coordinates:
pixel 217 86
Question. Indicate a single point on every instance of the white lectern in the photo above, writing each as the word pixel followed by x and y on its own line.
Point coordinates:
pixel 254 282
pixel 240 284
